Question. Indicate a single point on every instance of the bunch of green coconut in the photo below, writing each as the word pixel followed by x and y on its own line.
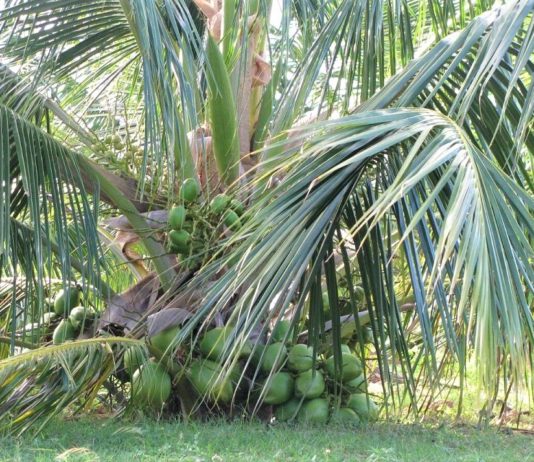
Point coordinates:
pixel 194 224
pixel 74 316
pixel 286 378
pixel 117 143
pixel 314 389
pixel 66 318
pixel 154 369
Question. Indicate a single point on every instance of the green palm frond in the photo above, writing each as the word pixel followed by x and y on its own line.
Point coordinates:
pixel 462 226
pixel 70 40
pixel 48 226
pixel 39 384
pixel 41 193
pixel 349 50
pixel 481 78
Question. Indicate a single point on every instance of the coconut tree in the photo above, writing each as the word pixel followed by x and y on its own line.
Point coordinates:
pixel 381 146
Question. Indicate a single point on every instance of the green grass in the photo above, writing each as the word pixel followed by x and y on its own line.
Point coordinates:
pixel 117 441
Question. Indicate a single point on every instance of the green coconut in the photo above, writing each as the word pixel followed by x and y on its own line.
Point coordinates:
pixel 176 218
pixel 116 140
pixel 351 367
pixel 300 358
pixel 236 372
pixel 219 203
pixel 356 385
pixel 190 190
pixel 368 335
pixel 48 318
pixel 151 386
pixel 274 357
pixel 81 315
pixel 309 384
pixel 237 206
pixel 366 409
pixel 134 357
pixel 288 410
pixel 66 300
pixel 165 340
pixel 212 345
pixel 246 349
pixel 208 379
pixel 279 388
pixel 359 293
pixel 231 220
pixel 281 331
pixel 345 415
pixel 344 349
pixel 63 332
pixel 180 238
pixel 314 411
pixel 257 351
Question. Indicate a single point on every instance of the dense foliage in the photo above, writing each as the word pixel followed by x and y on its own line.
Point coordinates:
pixel 358 171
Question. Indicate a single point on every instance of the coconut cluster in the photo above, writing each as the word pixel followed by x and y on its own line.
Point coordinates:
pixel 75 317
pixel 194 224
pixel 287 378
pixel 314 388
pixel 66 318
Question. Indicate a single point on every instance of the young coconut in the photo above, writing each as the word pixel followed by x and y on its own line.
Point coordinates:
pixel 134 357
pixel 309 384
pixel 237 207
pixel 164 340
pixel 274 357
pixel 219 204
pixel 351 367
pixel 208 378
pixel 345 415
pixel 66 300
pixel 190 190
pixel 279 388
pixel 177 216
pixel 81 315
pixel 63 332
pixel 366 409
pixel 151 386
pixel 231 220
pixel 300 358
pixel 180 239
pixel 280 332
pixel 314 411
pixel 288 410
pixel 344 349
pixel 356 385
pixel 212 345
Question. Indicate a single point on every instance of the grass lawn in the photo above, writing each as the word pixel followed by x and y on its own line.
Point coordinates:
pixel 117 441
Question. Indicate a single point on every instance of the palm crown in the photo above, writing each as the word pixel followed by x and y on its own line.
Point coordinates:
pixel 385 144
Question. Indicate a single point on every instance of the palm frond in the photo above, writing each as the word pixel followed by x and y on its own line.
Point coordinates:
pixel 39 384
pixel 481 78
pixel 464 229
pixel 346 53
pixel 40 195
